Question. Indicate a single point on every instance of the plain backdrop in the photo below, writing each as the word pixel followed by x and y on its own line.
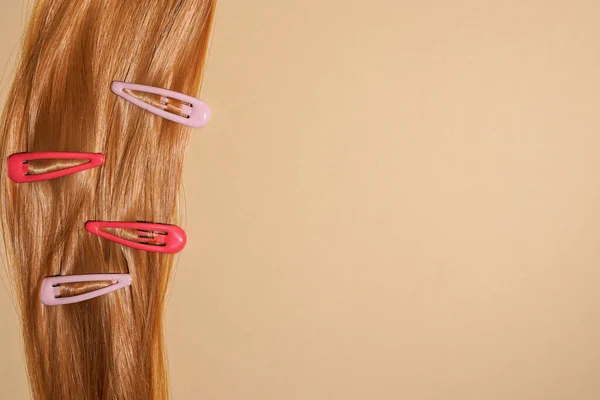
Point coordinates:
pixel 394 200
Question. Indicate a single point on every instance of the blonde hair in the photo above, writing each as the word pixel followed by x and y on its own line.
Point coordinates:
pixel 110 347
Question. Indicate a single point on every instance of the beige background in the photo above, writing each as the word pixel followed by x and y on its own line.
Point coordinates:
pixel 394 200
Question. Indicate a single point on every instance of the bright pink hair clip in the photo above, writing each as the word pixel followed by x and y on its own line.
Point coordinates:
pixel 18 168
pixel 50 291
pixel 159 238
pixel 195 112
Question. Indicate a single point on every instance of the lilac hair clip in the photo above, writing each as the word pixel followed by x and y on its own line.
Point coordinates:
pixel 193 112
pixel 50 291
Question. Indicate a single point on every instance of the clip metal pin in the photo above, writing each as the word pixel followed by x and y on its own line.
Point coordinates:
pixel 18 168
pixel 50 290
pixel 195 113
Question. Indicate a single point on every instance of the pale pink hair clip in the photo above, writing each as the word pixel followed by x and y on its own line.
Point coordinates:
pixel 194 112
pixel 50 291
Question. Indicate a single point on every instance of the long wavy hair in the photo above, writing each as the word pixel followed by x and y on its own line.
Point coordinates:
pixel 110 347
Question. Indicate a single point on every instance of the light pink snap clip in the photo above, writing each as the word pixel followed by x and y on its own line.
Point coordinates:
pixel 194 112
pixel 50 291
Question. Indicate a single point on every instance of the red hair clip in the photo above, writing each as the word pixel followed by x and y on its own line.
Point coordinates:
pixel 18 168
pixel 159 238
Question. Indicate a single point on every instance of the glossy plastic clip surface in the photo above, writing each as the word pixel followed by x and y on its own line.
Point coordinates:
pixel 18 168
pixel 50 291
pixel 197 113
pixel 165 238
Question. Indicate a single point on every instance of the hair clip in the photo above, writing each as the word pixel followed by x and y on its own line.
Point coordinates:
pixel 50 291
pixel 159 238
pixel 194 112
pixel 18 168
